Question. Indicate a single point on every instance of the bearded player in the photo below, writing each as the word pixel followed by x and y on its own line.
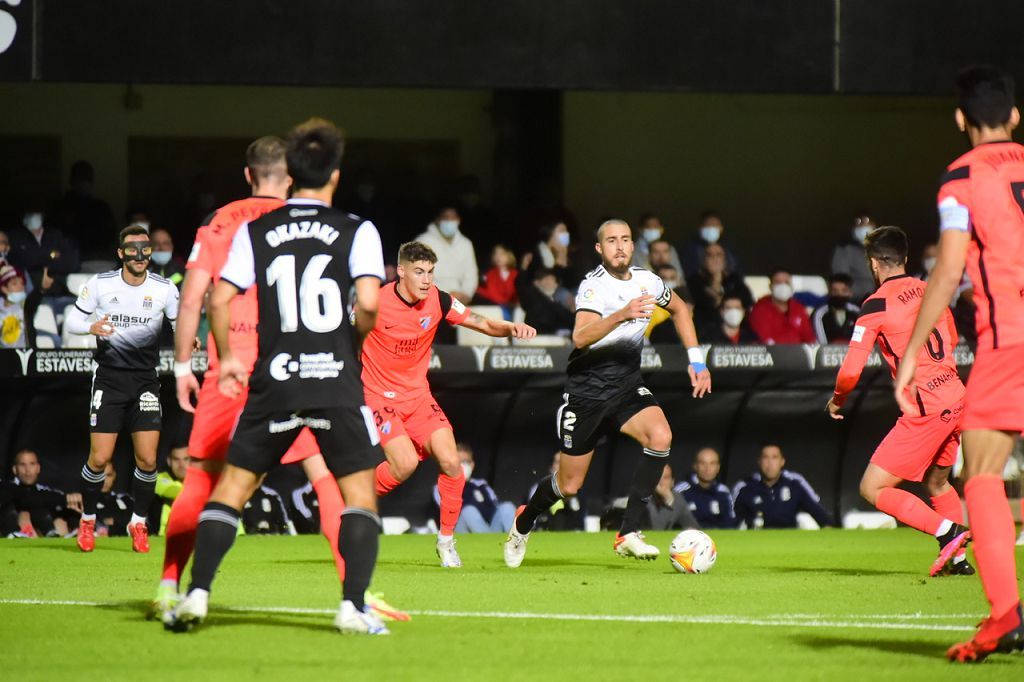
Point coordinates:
pixel 216 414
pixel 395 358
pixel 923 444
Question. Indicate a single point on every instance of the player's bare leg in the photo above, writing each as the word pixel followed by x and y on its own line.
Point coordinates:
pixel 101 450
pixel 985 456
pixel 650 428
pixel 450 484
pixel 358 543
pixel 401 460
pixel 566 481
pixel 200 479
pixel 879 488
pixel 143 483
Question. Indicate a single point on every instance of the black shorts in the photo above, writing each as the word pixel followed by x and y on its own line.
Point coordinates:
pixel 346 435
pixel 580 419
pixel 124 398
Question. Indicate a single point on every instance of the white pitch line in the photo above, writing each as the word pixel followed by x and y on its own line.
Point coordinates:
pixel 874 622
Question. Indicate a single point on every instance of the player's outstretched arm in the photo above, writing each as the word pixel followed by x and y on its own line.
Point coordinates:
pixel 499 328
pixel 193 290
pixel 590 327
pixel 942 284
pixel 700 377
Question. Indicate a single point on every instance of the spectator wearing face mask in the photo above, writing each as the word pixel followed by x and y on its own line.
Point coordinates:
pixel 731 327
pixel 777 317
pixel 163 262
pixel 553 251
pixel 929 257
pixel 456 271
pixel 653 232
pixel 848 257
pixel 538 297
pixel 834 321
pixel 17 309
pixel 709 231
pixel 43 252
pixel 499 282
pixel 711 283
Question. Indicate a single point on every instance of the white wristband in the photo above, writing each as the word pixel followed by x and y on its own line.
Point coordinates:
pixel 696 355
pixel 182 369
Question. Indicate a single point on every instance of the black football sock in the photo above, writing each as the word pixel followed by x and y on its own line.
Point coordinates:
pixel 218 526
pixel 546 494
pixel 92 485
pixel 645 480
pixel 358 541
pixel 143 485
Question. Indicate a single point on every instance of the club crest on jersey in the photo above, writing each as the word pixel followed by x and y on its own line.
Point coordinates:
pixel 588 294
pixel 425 321
pixel 147 302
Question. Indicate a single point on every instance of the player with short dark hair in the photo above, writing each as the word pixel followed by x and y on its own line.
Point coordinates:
pixel 396 356
pixel 303 258
pixel 131 304
pixel 604 386
pixel 923 444
pixel 981 215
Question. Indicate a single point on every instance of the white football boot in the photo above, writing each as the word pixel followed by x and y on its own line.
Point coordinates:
pixel 351 621
pixel 515 544
pixel 447 554
pixel 634 545
pixel 189 612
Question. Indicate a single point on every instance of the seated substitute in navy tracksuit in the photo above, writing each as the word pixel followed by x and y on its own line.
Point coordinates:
pixel 712 506
pixel 779 503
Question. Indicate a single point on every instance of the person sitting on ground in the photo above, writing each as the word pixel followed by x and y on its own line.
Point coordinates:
pixel 482 512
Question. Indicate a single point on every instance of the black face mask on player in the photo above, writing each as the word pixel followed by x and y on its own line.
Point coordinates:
pixel 138 251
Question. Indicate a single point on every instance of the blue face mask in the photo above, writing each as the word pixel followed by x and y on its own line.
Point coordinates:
pixel 448 227
pixel 17 297
pixel 563 238
pixel 162 257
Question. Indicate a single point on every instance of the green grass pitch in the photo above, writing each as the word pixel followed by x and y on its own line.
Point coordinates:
pixel 830 605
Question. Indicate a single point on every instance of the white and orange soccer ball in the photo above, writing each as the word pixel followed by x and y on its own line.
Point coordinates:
pixel 692 551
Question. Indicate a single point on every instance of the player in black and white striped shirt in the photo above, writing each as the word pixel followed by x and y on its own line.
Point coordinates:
pixel 131 305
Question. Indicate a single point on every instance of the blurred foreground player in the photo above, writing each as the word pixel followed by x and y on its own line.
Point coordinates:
pixel 923 444
pixel 304 258
pixel 604 385
pixel 981 217
pixel 396 356
pixel 267 174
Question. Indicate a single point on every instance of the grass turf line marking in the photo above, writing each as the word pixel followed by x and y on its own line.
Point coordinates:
pixel 875 621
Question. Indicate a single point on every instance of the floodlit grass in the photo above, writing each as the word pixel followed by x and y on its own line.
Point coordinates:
pixel 830 605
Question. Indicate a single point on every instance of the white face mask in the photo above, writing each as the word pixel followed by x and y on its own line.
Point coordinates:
pixel 652 234
pixel 467 470
pixel 710 233
pixel 861 233
pixel 733 316
pixel 448 227
pixel 17 297
pixel 929 264
pixel 33 221
pixel 161 257
pixel 563 238
pixel 782 292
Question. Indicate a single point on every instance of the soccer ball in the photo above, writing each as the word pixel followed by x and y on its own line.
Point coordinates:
pixel 692 551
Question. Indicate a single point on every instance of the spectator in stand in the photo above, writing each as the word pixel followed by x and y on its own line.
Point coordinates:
pixel 732 327
pixel 538 299
pixel 777 318
pixel 708 498
pixel 85 218
pixel 499 282
pixel 163 262
pixel 456 272
pixel 31 509
pixel 113 510
pixel 17 309
pixel 482 512
pixel 710 231
pixel 552 251
pixel 848 257
pixel 169 483
pixel 929 257
pixel 834 321
pixel 711 283
pixel 773 496
pixel 44 252
pixel 667 509
pixel 651 232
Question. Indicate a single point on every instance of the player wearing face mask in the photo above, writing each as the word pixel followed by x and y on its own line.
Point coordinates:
pixel 848 257
pixel 777 317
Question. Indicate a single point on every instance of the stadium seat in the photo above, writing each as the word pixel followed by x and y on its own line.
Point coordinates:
pixel 45 320
pixel 46 341
pixel 518 315
pixel 77 280
pixel 812 284
pixel 468 337
pixel 70 340
pixel 759 285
